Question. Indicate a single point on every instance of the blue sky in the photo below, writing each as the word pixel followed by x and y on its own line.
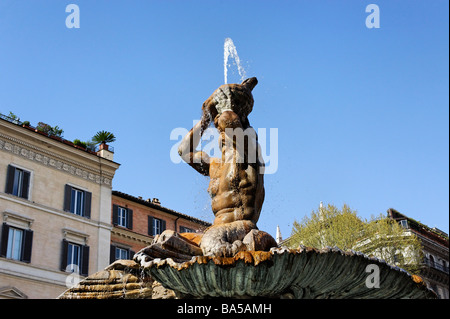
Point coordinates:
pixel 362 114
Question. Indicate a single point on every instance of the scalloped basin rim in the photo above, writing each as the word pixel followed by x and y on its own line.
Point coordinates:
pixel 256 257
pixel 307 272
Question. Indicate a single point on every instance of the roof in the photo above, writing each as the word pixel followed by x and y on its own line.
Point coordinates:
pixel 433 233
pixel 53 137
pixel 159 207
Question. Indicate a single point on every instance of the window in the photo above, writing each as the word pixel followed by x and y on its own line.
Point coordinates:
pixel 77 201
pixel 431 261
pixel 75 258
pixel 186 230
pixel 404 223
pixel 117 253
pixel 16 243
pixel 17 182
pixel 156 226
pixel 122 217
pixel 121 253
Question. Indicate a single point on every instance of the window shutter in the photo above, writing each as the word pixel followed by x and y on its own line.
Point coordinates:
pixel 115 215
pixel 130 219
pixel 112 254
pixel 25 185
pixel 67 198
pixel 64 250
pixel 10 179
pixel 87 204
pixel 84 260
pixel 4 240
pixel 27 245
pixel 131 254
pixel 163 225
pixel 150 226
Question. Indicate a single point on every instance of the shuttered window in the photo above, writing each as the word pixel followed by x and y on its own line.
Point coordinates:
pixel 17 182
pixel 16 243
pixel 75 258
pixel 122 216
pixel 117 252
pixel 156 226
pixel 77 201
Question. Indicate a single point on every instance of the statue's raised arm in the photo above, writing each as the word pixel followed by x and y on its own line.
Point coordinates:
pixel 199 160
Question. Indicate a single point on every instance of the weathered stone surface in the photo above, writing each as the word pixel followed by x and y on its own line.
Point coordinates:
pixel 169 244
pixel 120 280
pixel 304 273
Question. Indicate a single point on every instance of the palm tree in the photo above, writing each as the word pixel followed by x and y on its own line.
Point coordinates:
pixel 103 137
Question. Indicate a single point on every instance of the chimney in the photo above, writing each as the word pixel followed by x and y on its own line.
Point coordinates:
pixel 105 152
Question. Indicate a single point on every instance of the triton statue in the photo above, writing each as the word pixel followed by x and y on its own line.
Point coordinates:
pixel 236 182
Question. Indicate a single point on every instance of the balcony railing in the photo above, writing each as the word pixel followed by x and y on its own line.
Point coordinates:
pixel 435 265
pixel 10 119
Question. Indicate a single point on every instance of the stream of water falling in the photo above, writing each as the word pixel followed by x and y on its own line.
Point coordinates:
pixel 229 51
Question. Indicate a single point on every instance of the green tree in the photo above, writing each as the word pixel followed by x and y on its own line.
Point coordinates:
pixel 328 226
pixel 79 143
pixel 387 239
pixel 103 137
pixel 50 130
pixel 378 237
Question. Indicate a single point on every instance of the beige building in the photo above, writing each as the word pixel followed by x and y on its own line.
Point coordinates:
pixel 435 266
pixel 55 212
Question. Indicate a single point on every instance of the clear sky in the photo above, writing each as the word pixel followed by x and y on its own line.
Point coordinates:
pixel 362 114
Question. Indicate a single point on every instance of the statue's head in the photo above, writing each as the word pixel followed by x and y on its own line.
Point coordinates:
pixel 230 97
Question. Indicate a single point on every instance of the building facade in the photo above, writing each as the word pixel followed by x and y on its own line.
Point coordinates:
pixel 435 265
pixel 55 212
pixel 136 221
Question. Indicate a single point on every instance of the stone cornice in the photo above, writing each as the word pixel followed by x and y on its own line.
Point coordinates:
pixel 41 156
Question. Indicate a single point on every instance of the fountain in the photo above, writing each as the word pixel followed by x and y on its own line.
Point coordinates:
pixel 233 258
pixel 229 50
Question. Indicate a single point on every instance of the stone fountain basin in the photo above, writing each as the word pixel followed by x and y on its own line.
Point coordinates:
pixel 302 273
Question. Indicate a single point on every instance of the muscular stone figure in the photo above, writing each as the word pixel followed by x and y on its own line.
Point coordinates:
pixel 236 179
pixel 236 182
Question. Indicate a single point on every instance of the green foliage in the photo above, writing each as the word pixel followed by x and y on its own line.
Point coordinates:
pixel 49 130
pixel 103 137
pixel 79 143
pixel 379 237
pixel 13 116
pixel 90 145
pixel 391 242
pixel 328 226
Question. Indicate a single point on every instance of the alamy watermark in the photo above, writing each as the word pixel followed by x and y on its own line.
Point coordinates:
pixel 248 146
pixel 373 279
pixel 73 19
pixel 373 19
pixel 74 278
